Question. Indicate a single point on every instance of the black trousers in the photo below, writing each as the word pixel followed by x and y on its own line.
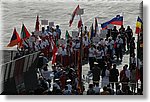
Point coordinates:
pixel 119 53
pixel 91 62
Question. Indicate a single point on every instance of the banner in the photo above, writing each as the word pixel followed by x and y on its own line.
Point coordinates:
pixel 51 24
pixel 44 22
pixel 74 34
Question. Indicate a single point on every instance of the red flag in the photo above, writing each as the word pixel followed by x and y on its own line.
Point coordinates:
pixel 24 33
pixel 80 22
pixel 54 54
pixel 73 15
pixel 37 23
pixel 15 39
pixel 20 44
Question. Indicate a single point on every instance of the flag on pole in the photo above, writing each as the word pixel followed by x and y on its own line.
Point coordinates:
pixel 138 25
pixel 96 26
pixel 67 36
pixel 37 23
pixel 54 54
pixel 104 25
pixel 15 39
pixel 24 33
pixel 80 23
pixel 118 20
pixel 92 32
pixel 73 15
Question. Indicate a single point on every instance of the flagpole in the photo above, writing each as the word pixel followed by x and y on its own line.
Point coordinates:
pixel 137 58
pixel 81 59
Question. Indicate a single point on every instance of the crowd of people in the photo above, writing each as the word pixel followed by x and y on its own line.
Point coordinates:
pixel 63 79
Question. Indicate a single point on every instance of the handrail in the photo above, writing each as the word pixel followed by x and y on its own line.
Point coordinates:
pixel 18 58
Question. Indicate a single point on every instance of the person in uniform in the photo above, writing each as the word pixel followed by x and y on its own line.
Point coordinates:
pixel 129 34
pixel 132 46
pixel 58 31
pixel 114 73
pixel 86 46
pixel 114 33
pixel 92 52
pixel 110 45
pixel 105 76
pixel 99 56
pixel 119 42
pixel 123 36
pixel 63 54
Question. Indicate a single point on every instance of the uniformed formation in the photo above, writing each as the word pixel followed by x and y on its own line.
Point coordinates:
pixel 108 52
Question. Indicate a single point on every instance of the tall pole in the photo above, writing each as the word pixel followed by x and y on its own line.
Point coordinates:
pixel 81 57
pixel 137 72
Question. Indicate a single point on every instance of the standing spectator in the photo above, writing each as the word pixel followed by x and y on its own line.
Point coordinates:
pixel 132 46
pixel 90 90
pixel 114 33
pixel 96 75
pixel 119 42
pixel 114 73
pixel 129 35
pixel 58 31
pixel 105 76
pixel 119 91
pixel 133 79
pixel 92 52
pixel 124 77
pixel 97 89
pixel 123 36
pixel 105 92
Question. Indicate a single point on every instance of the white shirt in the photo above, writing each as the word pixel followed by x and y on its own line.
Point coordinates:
pixel 77 46
pixel 37 46
pixel 102 42
pixel 42 45
pixel 92 52
pixel 46 42
pixel 99 54
pixel 111 44
pixel 44 34
pixel 119 42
